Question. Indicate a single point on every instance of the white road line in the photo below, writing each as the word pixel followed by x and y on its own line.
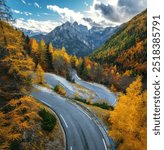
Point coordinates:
pixel 114 102
pixel 64 121
pixel 104 144
pixel 87 115
pixel 71 148
pixel 47 104
pixel 78 77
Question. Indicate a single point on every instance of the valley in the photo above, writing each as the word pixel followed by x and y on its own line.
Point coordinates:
pixel 70 116
pixel 73 87
pixel 77 39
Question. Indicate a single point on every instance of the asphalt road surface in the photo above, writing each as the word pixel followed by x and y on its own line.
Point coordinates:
pixel 70 89
pixel 81 131
pixel 101 91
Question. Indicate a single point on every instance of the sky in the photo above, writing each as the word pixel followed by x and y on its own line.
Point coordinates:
pixel 45 15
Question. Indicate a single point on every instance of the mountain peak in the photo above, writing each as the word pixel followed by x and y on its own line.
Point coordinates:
pixel 66 24
pixel 77 38
pixel 75 24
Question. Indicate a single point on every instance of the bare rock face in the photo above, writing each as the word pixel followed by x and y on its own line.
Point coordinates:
pixel 78 39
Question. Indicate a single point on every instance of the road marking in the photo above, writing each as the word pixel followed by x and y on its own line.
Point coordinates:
pixel 71 148
pixel 64 120
pixel 47 104
pixel 77 77
pixel 114 101
pixel 104 144
pixel 87 115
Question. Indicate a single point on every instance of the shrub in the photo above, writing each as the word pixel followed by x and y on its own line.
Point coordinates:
pixel 26 118
pixel 48 120
pixel 24 110
pixel 15 145
pixel 7 108
pixel 60 90
pixel 81 100
pixel 103 106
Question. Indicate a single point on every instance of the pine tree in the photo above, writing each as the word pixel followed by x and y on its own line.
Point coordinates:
pixel 33 45
pixel 42 54
pixel 84 71
pixel 39 74
pixel 74 62
pixel 50 47
pixel 82 67
pixel 49 58
pixel 26 45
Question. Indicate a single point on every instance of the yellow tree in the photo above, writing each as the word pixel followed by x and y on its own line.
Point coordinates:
pixel 33 44
pixel 42 54
pixel 61 62
pixel 128 120
pixel 74 61
pixel 50 47
pixel 39 74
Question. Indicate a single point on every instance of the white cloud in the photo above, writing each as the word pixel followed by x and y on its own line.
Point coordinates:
pixel 46 14
pixel 114 11
pixel 102 12
pixel 16 11
pixel 23 1
pixel 36 5
pixel 27 13
pixel 111 2
pixel 69 15
pixel 22 13
pixel 97 16
pixel 36 26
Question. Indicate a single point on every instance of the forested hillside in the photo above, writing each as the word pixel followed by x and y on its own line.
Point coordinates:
pixel 126 53
pixel 120 65
pixel 15 64
pixel 23 121
pixel 127 49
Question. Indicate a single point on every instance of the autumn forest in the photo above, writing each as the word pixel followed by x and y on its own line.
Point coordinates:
pixel 120 65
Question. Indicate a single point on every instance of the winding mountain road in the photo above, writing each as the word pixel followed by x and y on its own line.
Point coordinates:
pixel 81 131
pixel 70 88
pixel 101 91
